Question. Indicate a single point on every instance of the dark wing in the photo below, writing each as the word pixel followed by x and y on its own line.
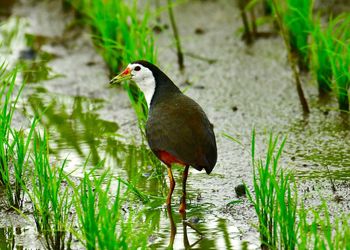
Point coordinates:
pixel 185 132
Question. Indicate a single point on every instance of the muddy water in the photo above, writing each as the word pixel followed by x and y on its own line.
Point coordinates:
pixel 244 88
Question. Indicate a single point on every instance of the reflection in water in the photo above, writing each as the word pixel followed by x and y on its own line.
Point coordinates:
pixel 18 238
pixel 172 227
pixel 7 238
pixel 77 132
pixel 196 230
pixel 73 126
pixel 186 224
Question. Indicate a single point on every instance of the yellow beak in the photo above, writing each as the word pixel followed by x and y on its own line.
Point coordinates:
pixel 125 75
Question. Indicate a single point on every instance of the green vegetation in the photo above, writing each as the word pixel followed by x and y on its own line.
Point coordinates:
pixel 283 223
pixel 340 59
pixel 121 37
pixel 277 218
pixel 328 49
pixel 50 196
pixel 322 47
pixel 279 10
pixel 102 224
pixel 13 144
pixel 297 19
pixel 318 231
pixel 331 60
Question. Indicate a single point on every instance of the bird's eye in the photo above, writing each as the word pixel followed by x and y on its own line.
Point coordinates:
pixel 137 68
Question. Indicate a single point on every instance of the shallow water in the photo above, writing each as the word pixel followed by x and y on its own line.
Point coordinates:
pixel 86 119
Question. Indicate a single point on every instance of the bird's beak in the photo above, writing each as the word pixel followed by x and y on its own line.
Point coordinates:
pixel 125 75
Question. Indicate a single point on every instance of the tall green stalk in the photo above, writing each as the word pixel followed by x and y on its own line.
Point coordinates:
pixel 331 60
pixel 322 48
pixel 272 198
pixel 298 22
pixel 285 35
pixel 50 197
pixel 101 222
pixel 13 144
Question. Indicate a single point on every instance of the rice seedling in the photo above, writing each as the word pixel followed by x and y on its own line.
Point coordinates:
pixel 101 222
pixel 283 224
pixel 340 60
pixel 331 58
pixel 15 174
pixel 7 111
pixel 286 38
pixel 7 238
pixel 298 23
pixel 286 212
pixel 121 36
pixel 342 78
pixel 13 144
pixel 317 230
pixel 50 197
pixel 269 196
pixel 272 199
pixel 321 48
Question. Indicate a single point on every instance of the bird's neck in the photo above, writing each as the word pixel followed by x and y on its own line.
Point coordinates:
pixel 164 89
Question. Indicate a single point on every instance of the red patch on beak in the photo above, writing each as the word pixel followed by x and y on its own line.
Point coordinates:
pixel 126 72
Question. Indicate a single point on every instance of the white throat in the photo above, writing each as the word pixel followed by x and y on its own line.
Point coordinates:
pixel 145 80
pixel 147 86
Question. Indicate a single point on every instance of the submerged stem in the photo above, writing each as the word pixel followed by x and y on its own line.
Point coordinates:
pixel 180 57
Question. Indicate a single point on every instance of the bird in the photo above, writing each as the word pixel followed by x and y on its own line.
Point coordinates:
pixel 177 129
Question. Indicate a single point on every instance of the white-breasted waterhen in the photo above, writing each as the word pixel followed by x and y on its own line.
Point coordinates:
pixel 177 129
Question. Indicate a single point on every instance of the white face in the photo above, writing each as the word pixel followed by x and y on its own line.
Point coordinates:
pixel 144 79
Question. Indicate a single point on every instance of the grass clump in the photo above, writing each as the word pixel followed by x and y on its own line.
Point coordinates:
pixel 13 144
pixel 319 231
pixel 101 223
pixel 283 223
pixel 121 35
pixel 272 198
pixel 283 21
pixel 50 197
pixel 322 47
pixel 340 59
pixel 331 60
pixel 298 23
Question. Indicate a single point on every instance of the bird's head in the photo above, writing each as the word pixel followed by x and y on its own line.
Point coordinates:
pixel 136 72
pixel 141 73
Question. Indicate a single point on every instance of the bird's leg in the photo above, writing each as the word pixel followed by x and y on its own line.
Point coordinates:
pixel 182 208
pixel 172 228
pixel 172 186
